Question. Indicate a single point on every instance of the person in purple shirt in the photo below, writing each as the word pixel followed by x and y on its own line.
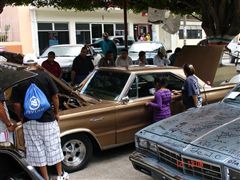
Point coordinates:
pixel 162 100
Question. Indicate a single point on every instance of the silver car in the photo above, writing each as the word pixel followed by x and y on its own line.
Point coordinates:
pixel 201 143
pixel 151 49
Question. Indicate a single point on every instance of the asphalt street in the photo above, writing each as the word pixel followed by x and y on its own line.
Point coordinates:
pixel 111 165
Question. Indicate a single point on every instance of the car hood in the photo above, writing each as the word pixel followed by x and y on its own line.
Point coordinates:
pixel 12 74
pixel 211 132
pixel 205 59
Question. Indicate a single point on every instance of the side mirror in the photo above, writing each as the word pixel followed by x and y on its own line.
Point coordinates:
pixel 125 100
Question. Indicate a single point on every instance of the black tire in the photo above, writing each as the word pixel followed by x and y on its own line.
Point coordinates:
pixel 77 151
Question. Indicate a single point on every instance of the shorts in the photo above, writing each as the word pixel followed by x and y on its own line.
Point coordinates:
pixel 43 144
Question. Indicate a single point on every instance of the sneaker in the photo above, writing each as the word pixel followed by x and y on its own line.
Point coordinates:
pixel 64 176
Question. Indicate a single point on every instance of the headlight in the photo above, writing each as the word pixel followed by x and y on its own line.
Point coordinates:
pixel 143 143
pixel 233 174
pixel 153 146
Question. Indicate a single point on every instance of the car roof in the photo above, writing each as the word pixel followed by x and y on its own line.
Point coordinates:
pixel 137 69
pixel 68 45
pixel 147 42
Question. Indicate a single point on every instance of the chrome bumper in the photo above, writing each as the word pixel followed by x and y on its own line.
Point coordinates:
pixel 152 167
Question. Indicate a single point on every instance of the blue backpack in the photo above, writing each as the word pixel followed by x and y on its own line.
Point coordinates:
pixel 35 103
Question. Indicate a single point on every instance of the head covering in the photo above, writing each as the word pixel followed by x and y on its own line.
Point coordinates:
pixel 29 59
pixel 105 34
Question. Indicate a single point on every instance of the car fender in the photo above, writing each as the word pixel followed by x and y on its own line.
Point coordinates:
pixel 81 130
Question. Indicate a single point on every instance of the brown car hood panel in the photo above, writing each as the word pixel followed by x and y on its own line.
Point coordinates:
pixel 205 60
pixel 200 132
pixel 100 106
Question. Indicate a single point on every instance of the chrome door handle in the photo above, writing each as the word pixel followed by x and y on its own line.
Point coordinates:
pixel 96 119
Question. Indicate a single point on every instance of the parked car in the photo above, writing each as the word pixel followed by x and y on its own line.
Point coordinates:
pixel 151 49
pixel 13 165
pixel 65 55
pixel 109 108
pixel 201 143
pixel 119 41
pixel 235 79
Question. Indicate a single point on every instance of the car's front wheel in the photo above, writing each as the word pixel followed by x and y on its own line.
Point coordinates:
pixel 77 151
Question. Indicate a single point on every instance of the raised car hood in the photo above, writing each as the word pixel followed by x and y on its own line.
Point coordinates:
pixel 11 74
pixel 211 132
pixel 205 59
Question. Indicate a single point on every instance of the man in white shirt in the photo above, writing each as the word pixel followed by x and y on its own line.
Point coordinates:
pixel 160 59
pixel 123 60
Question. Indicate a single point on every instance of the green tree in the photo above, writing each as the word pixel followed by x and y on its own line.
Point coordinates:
pixel 220 18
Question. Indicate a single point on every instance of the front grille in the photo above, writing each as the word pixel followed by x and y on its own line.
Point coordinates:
pixel 190 166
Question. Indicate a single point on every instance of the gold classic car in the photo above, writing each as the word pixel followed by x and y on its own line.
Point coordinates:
pixel 108 108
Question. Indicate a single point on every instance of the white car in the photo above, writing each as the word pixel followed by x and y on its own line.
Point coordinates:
pixel 66 53
pixel 151 49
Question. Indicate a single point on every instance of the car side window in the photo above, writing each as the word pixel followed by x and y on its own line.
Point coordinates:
pixel 173 81
pixel 141 86
pixel 144 83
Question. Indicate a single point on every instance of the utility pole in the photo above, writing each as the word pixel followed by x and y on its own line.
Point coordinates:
pixel 125 24
pixel 184 31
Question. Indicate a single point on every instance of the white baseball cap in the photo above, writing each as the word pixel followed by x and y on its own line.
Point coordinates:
pixel 29 59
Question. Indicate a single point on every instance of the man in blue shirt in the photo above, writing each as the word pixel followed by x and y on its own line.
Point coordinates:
pixel 106 45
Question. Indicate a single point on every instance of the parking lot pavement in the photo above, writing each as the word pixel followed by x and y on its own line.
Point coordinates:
pixel 112 164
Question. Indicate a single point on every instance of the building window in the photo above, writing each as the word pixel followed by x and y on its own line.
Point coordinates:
pixel 109 29
pixel 119 30
pixel 45 26
pixel 193 32
pixel 89 33
pixel 50 33
pixel 83 33
pixel 9 29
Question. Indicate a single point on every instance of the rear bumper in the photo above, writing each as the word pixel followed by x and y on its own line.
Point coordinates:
pixel 152 167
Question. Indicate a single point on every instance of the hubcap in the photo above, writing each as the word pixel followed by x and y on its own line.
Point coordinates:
pixel 74 152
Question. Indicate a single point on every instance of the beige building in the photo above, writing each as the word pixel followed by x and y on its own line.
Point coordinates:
pixel 31 30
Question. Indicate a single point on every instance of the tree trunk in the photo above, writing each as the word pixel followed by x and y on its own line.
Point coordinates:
pixel 220 20
pixel 2 4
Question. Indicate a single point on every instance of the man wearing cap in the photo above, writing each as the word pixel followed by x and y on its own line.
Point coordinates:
pixel 106 45
pixel 42 136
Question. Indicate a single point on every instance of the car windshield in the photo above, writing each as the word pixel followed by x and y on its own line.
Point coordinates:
pixel 63 51
pixel 148 47
pixel 233 97
pixel 106 85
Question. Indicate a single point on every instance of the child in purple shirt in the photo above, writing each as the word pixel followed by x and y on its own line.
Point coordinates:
pixel 162 100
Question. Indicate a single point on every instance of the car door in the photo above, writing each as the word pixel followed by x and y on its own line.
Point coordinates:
pixel 134 115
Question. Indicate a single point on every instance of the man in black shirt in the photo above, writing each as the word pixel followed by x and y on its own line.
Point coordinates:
pixel 82 66
pixel 42 136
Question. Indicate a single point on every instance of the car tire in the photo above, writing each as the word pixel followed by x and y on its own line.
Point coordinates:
pixel 77 151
